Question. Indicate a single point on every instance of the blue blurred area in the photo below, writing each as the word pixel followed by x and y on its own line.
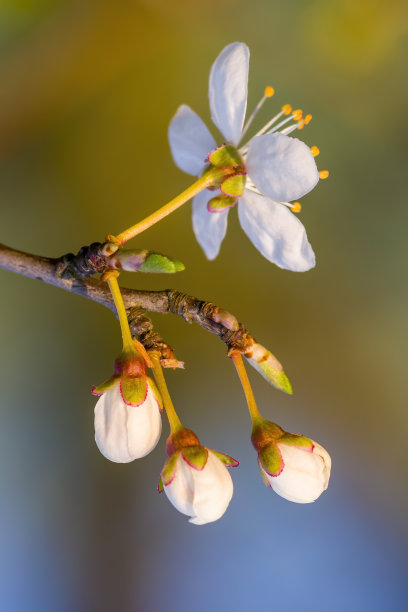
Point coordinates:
pixel 88 89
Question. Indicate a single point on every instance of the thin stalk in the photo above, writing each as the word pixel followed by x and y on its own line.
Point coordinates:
pixel 246 385
pixel 207 180
pixel 111 278
pixel 174 421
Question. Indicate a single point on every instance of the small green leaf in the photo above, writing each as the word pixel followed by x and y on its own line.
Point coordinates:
pixel 297 440
pixel 271 459
pixel 100 389
pixel 160 486
pixel 168 471
pixel 234 186
pixel 220 203
pixel 196 456
pixel 225 157
pixel 226 459
pixel 133 389
pixel 155 263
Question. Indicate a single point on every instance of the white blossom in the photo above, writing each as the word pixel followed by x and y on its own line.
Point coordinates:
pixel 279 168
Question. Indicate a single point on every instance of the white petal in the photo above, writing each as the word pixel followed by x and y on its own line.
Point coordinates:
pixel 124 433
pixel 190 140
pixel 213 491
pixel 228 89
pixel 305 475
pixel 202 494
pixel 209 228
pixel 180 491
pixel 276 232
pixel 283 168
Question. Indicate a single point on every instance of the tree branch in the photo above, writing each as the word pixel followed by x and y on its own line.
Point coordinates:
pixel 206 314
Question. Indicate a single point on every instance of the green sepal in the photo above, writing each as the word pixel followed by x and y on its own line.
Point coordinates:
pixel 103 387
pixel 156 263
pixel 160 486
pixel 264 478
pixel 226 459
pixel 297 440
pixel 169 469
pixel 225 157
pixel 220 203
pixel 156 392
pixel 196 456
pixel 234 186
pixel 133 389
pixel 271 459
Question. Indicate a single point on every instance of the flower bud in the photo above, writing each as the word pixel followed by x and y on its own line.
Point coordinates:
pixel 268 366
pixel 294 466
pixel 142 260
pixel 127 414
pixel 195 479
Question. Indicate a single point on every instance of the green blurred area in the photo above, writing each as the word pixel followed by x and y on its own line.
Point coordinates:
pixel 88 89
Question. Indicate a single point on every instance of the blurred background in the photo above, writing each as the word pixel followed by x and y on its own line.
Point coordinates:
pixel 87 92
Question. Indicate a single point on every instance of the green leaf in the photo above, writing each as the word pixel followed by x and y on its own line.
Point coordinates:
pixel 168 471
pixel 297 440
pixel 156 263
pixel 196 456
pixel 133 389
pixel 226 459
pixel 100 389
pixel 220 203
pixel 225 157
pixel 271 459
pixel 234 186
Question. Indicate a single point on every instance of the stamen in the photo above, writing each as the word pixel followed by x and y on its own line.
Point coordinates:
pixel 296 207
pixel 287 109
pixel 307 119
pixel 268 93
pixel 324 174
pixel 315 151
pixel 297 114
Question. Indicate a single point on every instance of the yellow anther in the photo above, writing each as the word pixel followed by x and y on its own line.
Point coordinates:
pixel 315 151
pixel 287 109
pixel 297 114
pixel 269 91
pixel 296 207
pixel 301 125
pixel 323 174
pixel 308 119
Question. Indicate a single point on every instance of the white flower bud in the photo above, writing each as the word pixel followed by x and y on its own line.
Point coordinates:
pixel 124 432
pixel 203 494
pixel 305 473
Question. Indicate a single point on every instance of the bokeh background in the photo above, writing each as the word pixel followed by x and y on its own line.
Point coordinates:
pixel 87 91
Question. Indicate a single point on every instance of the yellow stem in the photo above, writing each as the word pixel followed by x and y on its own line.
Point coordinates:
pixel 111 278
pixel 175 423
pixel 208 179
pixel 246 385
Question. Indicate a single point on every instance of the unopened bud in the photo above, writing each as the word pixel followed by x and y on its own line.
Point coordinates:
pixel 266 364
pixel 142 260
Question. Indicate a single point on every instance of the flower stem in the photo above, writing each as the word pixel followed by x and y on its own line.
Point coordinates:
pixel 207 180
pixel 175 423
pixel 111 278
pixel 246 385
